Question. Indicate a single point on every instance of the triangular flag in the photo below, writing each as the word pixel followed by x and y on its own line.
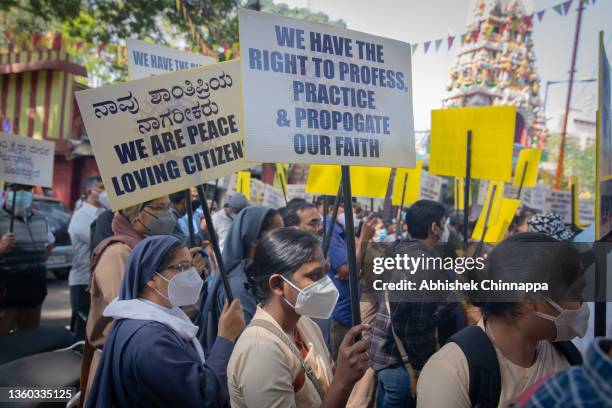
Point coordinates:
pixel 475 35
pixel 566 6
pixel 438 42
pixel 464 38
pixel 527 20
pixel 502 28
pixel 414 48
pixel 559 9
pixel 541 15
pixel 426 44
pixel 450 40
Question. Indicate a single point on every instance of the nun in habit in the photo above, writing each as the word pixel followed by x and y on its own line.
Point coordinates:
pixel 152 356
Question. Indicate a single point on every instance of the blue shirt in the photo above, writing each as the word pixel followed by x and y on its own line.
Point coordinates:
pixel 587 385
pixel 338 256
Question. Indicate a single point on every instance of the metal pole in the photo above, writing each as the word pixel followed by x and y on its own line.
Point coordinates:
pixel 333 221
pixel 13 210
pixel 190 219
pixel 559 173
pixel 401 208
pixel 325 212
pixel 518 196
pixel 214 241
pixel 350 246
pixel 466 190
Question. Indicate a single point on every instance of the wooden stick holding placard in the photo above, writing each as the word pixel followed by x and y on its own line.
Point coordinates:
pixel 350 246
pixel 486 220
pixel 283 186
pixel 371 205
pixel 466 190
pixel 190 219
pixel 520 189
pixel 332 221
pixel 401 209
pixel 214 241
pixel 13 209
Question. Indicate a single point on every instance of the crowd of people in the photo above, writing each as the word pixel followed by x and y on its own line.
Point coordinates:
pixel 148 299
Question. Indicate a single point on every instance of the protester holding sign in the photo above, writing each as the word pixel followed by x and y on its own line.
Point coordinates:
pixel 26 243
pixel 80 238
pixel 516 343
pixel 281 359
pixel 246 231
pixel 153 355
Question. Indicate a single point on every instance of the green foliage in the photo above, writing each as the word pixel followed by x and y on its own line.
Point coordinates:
pixel 299 12
pixel 578 162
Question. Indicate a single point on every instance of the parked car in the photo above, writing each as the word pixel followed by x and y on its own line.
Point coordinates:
pixel 60 260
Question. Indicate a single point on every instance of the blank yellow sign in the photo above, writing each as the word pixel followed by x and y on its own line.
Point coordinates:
pixel 413 185
pixel 507 211
pixel 243 182
pixel 492 142
pixel 365 181
pixel 528 162
pixel 460 193
pixel 493 212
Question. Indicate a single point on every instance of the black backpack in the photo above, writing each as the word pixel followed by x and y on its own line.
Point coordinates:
pixel 483 366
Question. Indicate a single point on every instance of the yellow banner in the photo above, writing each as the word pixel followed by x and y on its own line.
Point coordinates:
pixel 460 193
pixel 365 181
pixel 243 182
pixel 492 142
pixel 575 190
pixel 493 211
pixel 528 163
pixel 413 185
pixel 507 211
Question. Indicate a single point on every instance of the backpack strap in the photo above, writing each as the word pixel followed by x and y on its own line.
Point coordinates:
pixel 569 351
pixel 483 366
pixel 285 339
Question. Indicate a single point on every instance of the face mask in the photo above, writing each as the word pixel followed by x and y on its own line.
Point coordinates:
pixel 570 322
pixel 317 299
pixel 161 224
pixel 183 288
pixel 23 201
pixel 103 199
pixel 445 234
pixel 341 219
pixel 380 235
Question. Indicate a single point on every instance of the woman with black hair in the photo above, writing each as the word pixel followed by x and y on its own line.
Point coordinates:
pixel 522 337
pixel 281 359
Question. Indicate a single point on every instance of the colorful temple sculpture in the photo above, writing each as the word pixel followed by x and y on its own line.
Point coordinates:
pixel 496 66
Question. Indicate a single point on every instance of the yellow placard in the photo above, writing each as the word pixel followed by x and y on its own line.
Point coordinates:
pixel 413 185
pixel 323 179
pixel 281 177
pixel 365 181
pixel 493 211
pixel 575 190
pixel 528 163
pixel 492 142
pixel 243 182
pixel 460 193
pixel 507 211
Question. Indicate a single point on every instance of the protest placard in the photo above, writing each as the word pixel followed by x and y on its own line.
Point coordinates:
pixel 587 212
pixel 603 145
pixel 492 142
pixel 243 183
pixel 365 181
pixel 460 193
pixel 492 205
pixel 314 93
pixel 257 189
pixel 159 135
pixel 506 213
pixel 298 191
pixel 26 161
pixel 273 197
pixel 559 202
pixel 526 172
pixel 412 189
pixel 146 60
pixel 431 186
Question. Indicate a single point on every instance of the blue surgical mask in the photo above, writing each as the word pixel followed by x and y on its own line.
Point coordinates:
pixel 380 235
pixel 341 219
pixel 23 201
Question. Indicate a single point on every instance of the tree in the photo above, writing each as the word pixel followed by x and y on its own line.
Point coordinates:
pixel 578 162
pixel 299 12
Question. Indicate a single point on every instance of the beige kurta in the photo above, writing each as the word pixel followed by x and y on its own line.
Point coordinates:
pixel 262 368
pixel 444 381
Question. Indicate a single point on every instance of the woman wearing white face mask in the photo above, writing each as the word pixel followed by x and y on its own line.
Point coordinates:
pixel 281 358
pixel 152 356
pixel 522 337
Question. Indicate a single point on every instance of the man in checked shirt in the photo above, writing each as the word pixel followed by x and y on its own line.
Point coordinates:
pixel 412 321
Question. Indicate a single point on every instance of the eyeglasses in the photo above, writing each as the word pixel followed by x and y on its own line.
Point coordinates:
pixel 181 266
pixel 158 207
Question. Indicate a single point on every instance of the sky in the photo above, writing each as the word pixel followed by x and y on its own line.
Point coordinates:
pixel 416 21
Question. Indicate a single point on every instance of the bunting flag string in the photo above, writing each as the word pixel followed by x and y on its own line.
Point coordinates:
pixel 562 9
